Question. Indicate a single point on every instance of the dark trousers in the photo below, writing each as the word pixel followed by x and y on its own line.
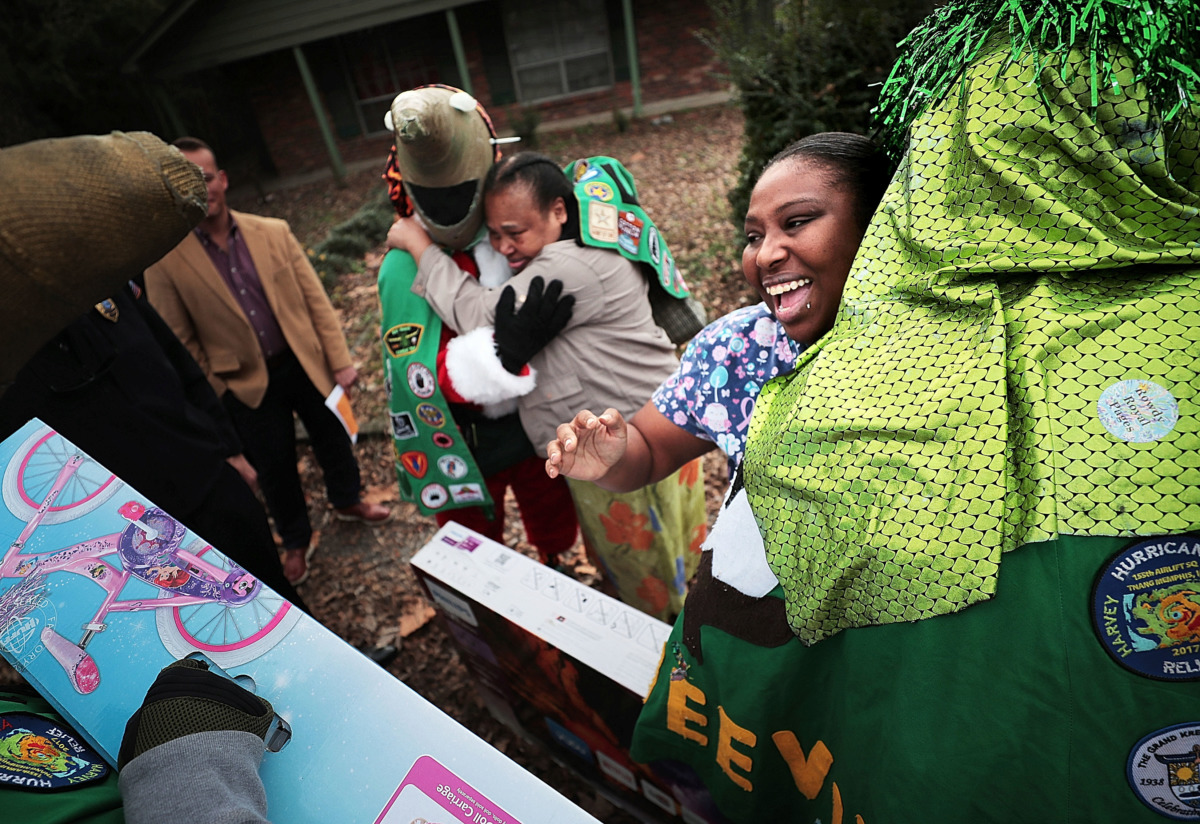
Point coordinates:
pixel 232 520
pixel 268 436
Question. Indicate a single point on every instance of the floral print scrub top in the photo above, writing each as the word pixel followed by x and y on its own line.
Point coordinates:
pixel 712 393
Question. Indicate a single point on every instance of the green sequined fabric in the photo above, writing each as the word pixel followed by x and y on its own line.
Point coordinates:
pixel 1014 358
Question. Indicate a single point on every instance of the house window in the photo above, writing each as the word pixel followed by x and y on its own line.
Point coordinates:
pixel 557 47
pixel 376 72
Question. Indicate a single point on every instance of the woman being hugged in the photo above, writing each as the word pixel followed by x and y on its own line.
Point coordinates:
pixel 610 354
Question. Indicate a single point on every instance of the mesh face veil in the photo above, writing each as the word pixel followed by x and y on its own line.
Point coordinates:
pixel 443 152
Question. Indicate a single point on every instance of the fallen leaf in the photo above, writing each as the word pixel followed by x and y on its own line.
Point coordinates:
pixel 414 617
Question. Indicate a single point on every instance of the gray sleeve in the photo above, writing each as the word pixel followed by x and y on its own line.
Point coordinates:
pixel 203 778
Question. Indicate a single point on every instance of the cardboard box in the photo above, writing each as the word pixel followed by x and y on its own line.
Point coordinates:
pixel 559 662
pixel 99 590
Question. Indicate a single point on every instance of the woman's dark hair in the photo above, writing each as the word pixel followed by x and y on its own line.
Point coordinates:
pixel 545 181
pixel 855 162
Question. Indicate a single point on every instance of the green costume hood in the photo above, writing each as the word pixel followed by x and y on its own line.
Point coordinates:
pixel 1014 357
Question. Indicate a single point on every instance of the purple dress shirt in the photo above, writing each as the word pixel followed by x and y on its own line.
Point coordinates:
pixel 237 269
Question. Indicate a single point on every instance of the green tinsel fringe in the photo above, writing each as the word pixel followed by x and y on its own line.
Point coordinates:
pixel 1162 36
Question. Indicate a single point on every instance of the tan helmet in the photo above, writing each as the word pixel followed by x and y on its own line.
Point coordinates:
pixel 444 149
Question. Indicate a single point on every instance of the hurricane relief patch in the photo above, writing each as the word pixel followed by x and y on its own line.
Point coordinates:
pixel 1164 771
pixel 1146 607
pixel 38 754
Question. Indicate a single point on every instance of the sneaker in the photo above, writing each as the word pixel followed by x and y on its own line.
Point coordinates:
pixel 366 513
pixel 295 564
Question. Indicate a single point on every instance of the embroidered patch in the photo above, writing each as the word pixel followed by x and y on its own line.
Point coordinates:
pixel 434 496
pixel 421 380
pixel 599 190
pixel 443 440
pixel 581 169
pixel 431 415
pixel 1137 411
pixel 1146 608
pixel 38 754
pixel 452 466
pixel 466 493
pixel 415 463
pixel 602 221
pixel 629 227
pixel 654 245
pixel 403 339
pixel 403 426
pixel 108 310
pixel 1164 771
pixel 672 274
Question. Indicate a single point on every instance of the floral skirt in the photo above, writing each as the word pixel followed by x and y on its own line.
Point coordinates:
pixel 647 541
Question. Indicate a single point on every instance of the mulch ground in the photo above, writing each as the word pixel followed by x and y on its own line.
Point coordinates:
pixel 362 586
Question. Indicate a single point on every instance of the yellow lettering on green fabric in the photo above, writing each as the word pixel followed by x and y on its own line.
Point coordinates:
pixel 808 773
pixel 662 656
pixel 837 807
pixel 727 756
pixel 679 715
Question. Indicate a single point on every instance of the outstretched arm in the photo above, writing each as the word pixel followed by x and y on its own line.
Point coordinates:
pixel 621 456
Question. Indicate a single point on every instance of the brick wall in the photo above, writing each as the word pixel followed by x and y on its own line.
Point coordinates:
pixel 288 124
pixel 672 64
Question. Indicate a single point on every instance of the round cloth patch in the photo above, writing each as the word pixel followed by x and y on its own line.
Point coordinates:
pixel 434 496
pixel 40 755
pixel 431 415
pixel 1137 411
pixel 1164 771
pixel 1146 608
pixel 421 380
pixel 452 466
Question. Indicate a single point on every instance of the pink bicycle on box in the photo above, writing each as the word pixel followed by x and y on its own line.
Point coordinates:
pixel 207 604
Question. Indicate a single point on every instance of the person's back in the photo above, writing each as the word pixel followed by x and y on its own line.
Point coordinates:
pixel 612 353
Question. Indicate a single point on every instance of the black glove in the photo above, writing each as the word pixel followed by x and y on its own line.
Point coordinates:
pixel 186 698
pixel 522 333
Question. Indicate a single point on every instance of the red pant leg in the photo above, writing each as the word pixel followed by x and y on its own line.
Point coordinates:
pixel 475 517
pixel 547 508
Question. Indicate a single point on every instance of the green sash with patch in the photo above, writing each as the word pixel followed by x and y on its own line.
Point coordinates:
pixel 1037 705
pixel 611 217
pixel 434 467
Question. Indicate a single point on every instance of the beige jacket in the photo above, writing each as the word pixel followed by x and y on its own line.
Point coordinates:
pixel 188 292
pixel 610 354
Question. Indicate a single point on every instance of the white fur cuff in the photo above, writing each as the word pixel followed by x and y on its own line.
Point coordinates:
pixel 475 370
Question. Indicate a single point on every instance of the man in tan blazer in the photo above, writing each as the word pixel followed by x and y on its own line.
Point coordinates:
pixel 241 295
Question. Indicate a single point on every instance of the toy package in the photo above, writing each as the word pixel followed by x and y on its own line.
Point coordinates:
pixel 100 589
pixel 561 663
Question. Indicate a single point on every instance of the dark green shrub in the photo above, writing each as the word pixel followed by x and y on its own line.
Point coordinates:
pixel 524 123
pixel 343 248
pixel 804 66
